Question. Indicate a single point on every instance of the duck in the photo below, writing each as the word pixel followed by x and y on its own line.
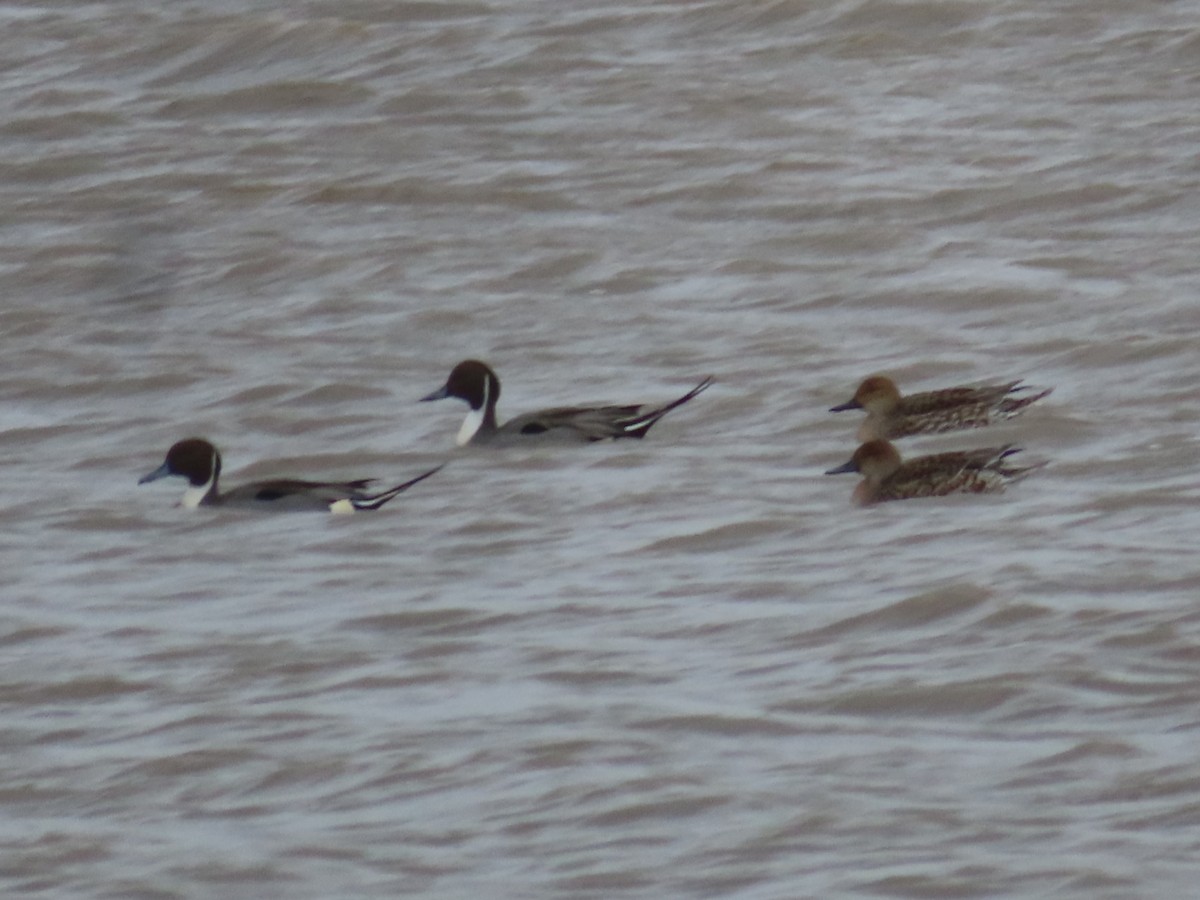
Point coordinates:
pixel 891 415
pixel 886 477
pixel 197 460
pixel 476 383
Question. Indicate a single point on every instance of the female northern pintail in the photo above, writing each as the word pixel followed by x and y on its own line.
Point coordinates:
pixel 885 477
pixel 478 385
pixel 890 415
pixel 199 462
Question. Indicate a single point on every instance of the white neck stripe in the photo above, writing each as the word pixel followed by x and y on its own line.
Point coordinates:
pixel 470 426
pixel 474 420
pixel 194 495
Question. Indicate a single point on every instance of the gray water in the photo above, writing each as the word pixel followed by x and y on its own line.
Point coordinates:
pixel 683 667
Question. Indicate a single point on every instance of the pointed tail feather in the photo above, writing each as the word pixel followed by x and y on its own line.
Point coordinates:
pixel 377 500
pixel 1016 473
pixel 1003 466
pixel 1014 404
pixel 639 425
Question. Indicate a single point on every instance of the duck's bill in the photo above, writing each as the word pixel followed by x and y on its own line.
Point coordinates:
pixel 849 404
pixel 161 472
pixel 843 469
pixel 440 394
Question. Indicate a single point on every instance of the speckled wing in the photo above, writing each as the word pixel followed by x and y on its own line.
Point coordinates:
pixel 949 418
pixel 957 409
pixel 928 402
pixel 979 471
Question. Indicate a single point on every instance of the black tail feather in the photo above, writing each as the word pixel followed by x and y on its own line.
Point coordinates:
pixel 377 500
pixel 639 425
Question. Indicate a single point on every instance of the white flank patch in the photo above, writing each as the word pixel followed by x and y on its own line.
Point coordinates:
pixel 341 507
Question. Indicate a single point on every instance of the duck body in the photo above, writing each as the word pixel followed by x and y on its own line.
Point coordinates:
pixel 475 383
pixel 886 476
pixel 198 461
pixel 891 415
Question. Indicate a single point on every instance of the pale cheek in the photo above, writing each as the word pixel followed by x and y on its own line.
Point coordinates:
pixel 869 430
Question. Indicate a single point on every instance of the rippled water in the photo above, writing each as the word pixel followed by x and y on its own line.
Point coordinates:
pixel 685 667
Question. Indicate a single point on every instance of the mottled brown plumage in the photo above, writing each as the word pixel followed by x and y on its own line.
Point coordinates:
pixel 891 415
pixel 886 477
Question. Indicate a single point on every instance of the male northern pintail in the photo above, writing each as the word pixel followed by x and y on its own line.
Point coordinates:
pixel 890 415
pixel 478 385
pixel 199 462
pixel 885 477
